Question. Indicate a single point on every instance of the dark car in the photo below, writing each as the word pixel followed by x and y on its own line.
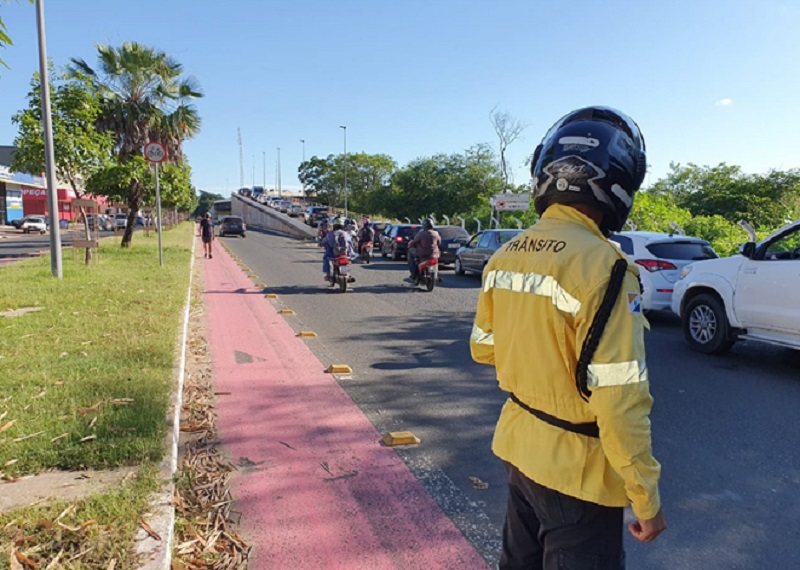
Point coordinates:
pixel 453 237
pixel 232 225
pixel 310 215
pixel 395 242
pixel 474 256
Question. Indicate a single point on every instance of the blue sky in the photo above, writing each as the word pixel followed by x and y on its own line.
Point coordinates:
pixel 707 81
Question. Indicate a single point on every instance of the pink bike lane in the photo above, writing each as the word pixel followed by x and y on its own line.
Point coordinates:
pixel 316 487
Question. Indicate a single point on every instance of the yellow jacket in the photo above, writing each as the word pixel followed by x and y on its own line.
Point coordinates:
pixel 540 294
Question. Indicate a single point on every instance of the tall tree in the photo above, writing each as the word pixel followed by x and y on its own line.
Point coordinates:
pixel 367 175
pixel 144 98
pixel 508 129
pixel 79 148
pixel 445 184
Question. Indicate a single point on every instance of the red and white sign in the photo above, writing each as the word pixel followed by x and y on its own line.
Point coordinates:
pixel 155 152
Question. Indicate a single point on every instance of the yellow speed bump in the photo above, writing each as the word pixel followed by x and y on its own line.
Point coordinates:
pixel 309 334
pixel 339 369
pixel 271 296
pixel 252 276
pixel 286 312
pixel 262 285
pixel 400 438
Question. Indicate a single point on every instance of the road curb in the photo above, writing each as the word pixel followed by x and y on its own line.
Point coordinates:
pixel 159 553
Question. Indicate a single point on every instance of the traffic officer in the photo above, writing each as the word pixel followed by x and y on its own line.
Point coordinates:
pixel 560 318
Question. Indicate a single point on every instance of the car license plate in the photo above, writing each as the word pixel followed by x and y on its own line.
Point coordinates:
pixel 453 245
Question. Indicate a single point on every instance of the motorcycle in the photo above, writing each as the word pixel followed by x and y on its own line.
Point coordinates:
pixel 428 273
pixel 341 272
pixel 366 252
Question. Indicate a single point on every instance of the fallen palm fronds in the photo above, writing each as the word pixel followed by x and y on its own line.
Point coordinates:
pixel 204 537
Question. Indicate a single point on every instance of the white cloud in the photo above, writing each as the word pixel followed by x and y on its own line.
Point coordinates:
pixel 726 102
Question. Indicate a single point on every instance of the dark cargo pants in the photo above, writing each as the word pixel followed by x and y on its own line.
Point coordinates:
pixel 547 530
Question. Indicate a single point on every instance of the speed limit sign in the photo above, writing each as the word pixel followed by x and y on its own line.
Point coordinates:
pixel 154 152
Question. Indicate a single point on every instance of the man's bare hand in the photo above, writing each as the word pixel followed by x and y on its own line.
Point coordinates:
pixel 648 529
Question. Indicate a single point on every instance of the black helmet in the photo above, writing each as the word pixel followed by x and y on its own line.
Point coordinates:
pixel 427 224
pixel 596 156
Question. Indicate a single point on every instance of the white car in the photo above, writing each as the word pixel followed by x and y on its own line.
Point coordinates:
pixel 660 258
pixel 754 295
pixel 34 224
pixel 121 221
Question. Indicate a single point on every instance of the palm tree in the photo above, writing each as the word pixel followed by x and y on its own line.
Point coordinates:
pixel 145 99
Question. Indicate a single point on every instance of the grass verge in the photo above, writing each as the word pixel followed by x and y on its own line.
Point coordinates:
pixel 85 383
pixel 86 378
pixel 95 533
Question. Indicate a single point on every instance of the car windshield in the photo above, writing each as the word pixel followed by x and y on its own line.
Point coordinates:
pixel 407 231
pixel 682 250
pixel 453 233
pixel 232 220
pixel 507 235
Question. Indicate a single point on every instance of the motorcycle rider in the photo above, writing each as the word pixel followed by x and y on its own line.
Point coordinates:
pixel 425 245
pixel 331 243
pixel 365 235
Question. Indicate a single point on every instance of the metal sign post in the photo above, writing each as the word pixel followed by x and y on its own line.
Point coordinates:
pixel 155 153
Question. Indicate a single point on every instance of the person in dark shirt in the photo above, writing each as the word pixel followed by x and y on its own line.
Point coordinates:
pixel 207 234
pixel 425 245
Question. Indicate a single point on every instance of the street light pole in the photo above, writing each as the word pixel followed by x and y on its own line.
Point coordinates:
pixel 280 191
pixel 344 128
pixel 303 190
pixel 49 152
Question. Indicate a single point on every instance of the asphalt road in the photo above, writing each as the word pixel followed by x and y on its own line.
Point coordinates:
pixel 723 427
pixel 14 243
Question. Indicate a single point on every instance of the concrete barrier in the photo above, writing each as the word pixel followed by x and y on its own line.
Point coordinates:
pixel 257 215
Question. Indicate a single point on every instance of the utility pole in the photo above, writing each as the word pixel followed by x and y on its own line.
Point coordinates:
pixel 49 153
pixel 344 128
pixel 280 190
pixel 241 161
pixel 303 189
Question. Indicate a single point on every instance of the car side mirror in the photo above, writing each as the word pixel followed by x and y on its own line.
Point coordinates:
pixel 748 249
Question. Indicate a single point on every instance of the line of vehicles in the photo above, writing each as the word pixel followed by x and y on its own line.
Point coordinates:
pixel 41 224
pixel 753 295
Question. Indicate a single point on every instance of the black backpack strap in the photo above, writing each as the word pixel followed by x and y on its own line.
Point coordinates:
pixel 592 340
pixel 589 429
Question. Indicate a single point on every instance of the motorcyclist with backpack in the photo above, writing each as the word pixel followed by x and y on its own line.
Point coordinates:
pixel 425 245
pixel 337 242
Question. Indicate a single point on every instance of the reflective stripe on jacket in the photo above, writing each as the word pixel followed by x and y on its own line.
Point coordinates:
pixel 540 293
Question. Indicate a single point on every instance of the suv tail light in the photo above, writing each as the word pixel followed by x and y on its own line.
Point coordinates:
pixel 398 239
pixel 656 265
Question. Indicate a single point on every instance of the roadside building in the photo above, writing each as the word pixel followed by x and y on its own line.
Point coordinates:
pixel 23 194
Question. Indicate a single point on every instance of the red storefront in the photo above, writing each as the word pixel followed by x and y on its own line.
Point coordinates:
pixel 34 201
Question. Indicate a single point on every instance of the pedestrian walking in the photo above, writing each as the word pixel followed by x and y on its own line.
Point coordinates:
pixel 207 235
pixel 560 318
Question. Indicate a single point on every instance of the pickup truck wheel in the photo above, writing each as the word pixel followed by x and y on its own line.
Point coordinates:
pixel 459 269
pixel 705 325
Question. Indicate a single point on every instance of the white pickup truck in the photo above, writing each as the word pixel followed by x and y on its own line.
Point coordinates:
pixel 754 295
